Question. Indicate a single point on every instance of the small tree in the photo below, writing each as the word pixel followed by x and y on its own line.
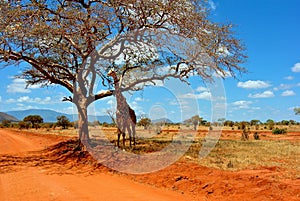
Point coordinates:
pixel 194 120
pixel 6 123
pixel 270 123
pixel 35 120
pixel 63 121
pixel 144 122
pixel 256 136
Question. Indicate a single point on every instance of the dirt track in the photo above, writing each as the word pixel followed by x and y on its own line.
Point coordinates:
pixel 44 167
pixel 36 183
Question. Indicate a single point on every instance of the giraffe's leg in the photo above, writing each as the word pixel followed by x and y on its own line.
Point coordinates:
pixel 133 133
pixel 119 135
pixel 130 135
pixel 123 135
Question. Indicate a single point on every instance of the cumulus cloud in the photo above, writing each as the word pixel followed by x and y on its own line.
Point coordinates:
pixel 200 89
pixel 253 84
pixel 27 99
pixel 242 104
pixel 288 93
pixel 282 87
pixel 296 68
pixel 204 95
pixel 17 86
pixel 265 94
pixel 289 77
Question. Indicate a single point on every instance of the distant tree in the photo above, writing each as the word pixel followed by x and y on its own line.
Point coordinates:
pixel 254 122
pixel 243 124
pixel 194 120
pixel 145 122
pixel 270 123
pixel 35 120
pixel 23 124
pixel 297 110
pixel 229 123
pixel 63 121
pixel 6 123
pixel 285 122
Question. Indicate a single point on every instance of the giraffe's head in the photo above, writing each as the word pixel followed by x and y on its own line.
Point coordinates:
pixel 111 73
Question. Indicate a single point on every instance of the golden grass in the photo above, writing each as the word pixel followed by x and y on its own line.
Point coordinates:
pixel 240 155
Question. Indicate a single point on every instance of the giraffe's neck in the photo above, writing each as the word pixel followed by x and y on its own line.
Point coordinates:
pixel 121 102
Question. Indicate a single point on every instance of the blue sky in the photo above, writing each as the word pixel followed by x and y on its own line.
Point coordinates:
pixel 270 30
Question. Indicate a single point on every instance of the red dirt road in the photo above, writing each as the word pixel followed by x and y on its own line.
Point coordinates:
pixel 45 167
pixel 38 183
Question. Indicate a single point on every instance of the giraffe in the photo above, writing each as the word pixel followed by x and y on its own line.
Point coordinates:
pixel 125 115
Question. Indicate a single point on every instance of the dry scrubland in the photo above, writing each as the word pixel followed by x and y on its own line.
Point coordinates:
pixel 230 152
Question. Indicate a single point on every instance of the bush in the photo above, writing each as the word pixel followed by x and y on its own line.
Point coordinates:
pixel 256 136
pixel 245 135
pixel 278 131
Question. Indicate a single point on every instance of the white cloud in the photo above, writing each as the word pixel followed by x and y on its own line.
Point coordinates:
pixel 265 94
pixel 296 68
pixel 204 95
pixel 288 93
pixel 27 99
pixel 282 87
pixel 200 89
pixel 0 99
pixel 212 4
pixel 139 99
pixel 110 102
pixel 224 74
pixel 17 86
pixel 253 84
pixel 242 104
pixel 289 78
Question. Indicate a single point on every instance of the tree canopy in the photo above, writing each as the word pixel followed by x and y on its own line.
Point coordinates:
pixel 74 43
pixel 145 122
pixel 63 121
pixel 35 120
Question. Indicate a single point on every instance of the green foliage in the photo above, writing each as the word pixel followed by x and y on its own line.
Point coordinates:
pixel 278 131
pixel 297 111
pixel 23 124
pixel 35 120
pixel 256 136
pixel 6 123
pixel 145 122
pixel 63 121
pixel 195 121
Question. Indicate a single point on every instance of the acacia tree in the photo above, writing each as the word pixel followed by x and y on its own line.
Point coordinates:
pixel 74 43
pixel 35 120
pixel 63 121
pixel 145 122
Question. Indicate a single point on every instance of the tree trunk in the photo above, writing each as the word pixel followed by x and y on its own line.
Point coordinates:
pixel 83 129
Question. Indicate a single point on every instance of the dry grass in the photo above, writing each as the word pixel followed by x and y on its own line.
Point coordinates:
pixel 228 154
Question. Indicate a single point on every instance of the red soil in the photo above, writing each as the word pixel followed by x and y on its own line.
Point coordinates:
pixel 45 167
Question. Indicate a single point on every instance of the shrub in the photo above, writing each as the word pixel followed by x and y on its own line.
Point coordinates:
pixel 278 131
pixel 256 136
pixel 245 135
